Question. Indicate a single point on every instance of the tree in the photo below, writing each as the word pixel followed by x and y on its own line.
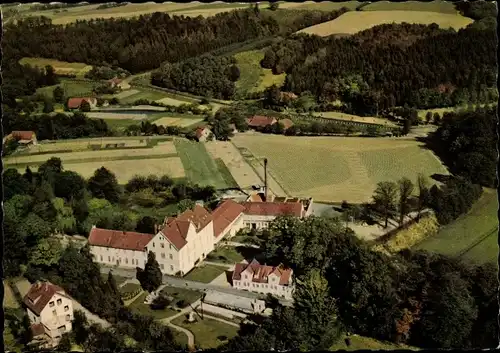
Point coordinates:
pixel 428 117
pixel 65 221
pixel 234 73
pixel 273 6
pixel 405 191
pixel 436 118
pixel 65 343
pixel 46 253
pixel 151 277
pixel 58 94
pixel 48 107
pixel 69 185
pixel 85 106
pixel 221 128
pixel 186 204
pixel 80 324
pixel 103 184
pixel 146 225
pixel 385 198
pixel 406 126
pixel 423 194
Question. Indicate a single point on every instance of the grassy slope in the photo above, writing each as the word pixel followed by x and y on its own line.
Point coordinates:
pixel 360 342
pixel 434 6
pixel 463 233
pixel 253 78
pixel 207 331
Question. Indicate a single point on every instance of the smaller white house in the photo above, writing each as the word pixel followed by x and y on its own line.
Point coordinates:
pixel 50 311
pixel 264 279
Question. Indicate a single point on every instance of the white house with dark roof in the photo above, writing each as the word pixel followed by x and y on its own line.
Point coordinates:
pixel 50 311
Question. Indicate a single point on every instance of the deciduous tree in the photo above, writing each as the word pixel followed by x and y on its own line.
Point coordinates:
pixel 151 277
pixel 385 198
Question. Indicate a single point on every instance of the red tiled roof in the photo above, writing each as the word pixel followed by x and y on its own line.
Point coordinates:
pixel 260 121
pixel 23 135
pixel 176 230
pixel 225 214
pixel 255 198
pixel 287 123
pixel 76 102
pixel 118 239
pixel 37 329
pixel 273 208
pixel 40 294
pixel 260 273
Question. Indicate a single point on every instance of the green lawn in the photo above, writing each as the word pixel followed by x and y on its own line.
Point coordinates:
pixel 129 288
pixel 473 235
pixel 432 6
pixel 143 94
pixel 9 299
pixel 118 279
pixel 188 295
pixel 139 307
pixel 199 167
pixel 207 332
pixel 71 88
pixel 362 343
pixel 205 273
pixel 225 254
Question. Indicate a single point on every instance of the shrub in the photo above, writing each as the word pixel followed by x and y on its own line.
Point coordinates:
pixel 160 303
pixel 182 304
pixel 130 295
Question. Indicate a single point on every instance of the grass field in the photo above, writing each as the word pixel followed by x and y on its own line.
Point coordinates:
pixel 432 6
pixel 9 300
pixel 205 273
pixel 207 332
pixel 474 235
pixel 225 254
pixel 253 78
pixel 71 88
pixel 182 294
pixel 60 67
pixel 357 21
pixel 138 306
pixel 350 117
pixel 179 121
pixel 367 343
pixel 338 168
pixel 199 166
pixel 321 5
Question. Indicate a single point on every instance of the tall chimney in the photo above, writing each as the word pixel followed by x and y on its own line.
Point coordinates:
pixel 265 179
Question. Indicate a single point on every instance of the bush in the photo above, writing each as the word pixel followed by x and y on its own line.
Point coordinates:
pixel 130 295
pixel 160 303
pixel 182 304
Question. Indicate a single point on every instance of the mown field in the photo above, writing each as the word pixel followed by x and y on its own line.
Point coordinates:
pixel 431 6
pixel 356 21
pixel 199 166
pixel 71 88
pixel 350 117
pixel 368 343
pixel 334 169
pixel 320 5
pixel 473 236
pixel 253 78
pixel 60 67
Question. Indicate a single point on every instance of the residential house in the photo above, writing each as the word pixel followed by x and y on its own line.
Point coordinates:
pixel 254 277
pixel 202 133
pixel 183 241
pixel 50 311
pixel 117 248
pixel 258 215
pixel 75 103
pixel 117 82
pixel 22 137
pixel 260 121
pixel 228 219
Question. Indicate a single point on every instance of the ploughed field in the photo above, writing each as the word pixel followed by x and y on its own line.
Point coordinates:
pixel 337 168
pixel 129 156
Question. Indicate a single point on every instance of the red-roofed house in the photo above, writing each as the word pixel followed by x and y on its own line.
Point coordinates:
pixel 50 311
pixel 117 82
pixel 264 279
pixel 202 133
pixel 23 137
pixel 228 219
pixel 260 121
pixel 114 247
pixel 258 215
pixel 75 103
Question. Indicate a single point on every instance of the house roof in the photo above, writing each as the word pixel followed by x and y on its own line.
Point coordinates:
pixel 273 208
pixel 23 135
pixel 115 80
pixel 287 123
pixel 260 273
pixel 76 102
pixel 37 329
pixel 118 239
pixel 40 294
pixel 260 121
pixel 225 214
pixel 176 230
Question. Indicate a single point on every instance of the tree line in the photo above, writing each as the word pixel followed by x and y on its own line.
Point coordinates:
pixel 343 286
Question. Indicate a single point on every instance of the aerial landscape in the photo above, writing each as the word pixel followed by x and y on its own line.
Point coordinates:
pixel 250 176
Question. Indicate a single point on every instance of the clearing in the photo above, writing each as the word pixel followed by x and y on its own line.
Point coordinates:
pixel 357 21
pixel 199 166
pixel 333 169
pixel 254 78
pixel 473 236
pixel 60 67
pixel 208 333
pixel 181 121
pixel 432 6
pixel 356 118
pixel 368 343
pixel 71 88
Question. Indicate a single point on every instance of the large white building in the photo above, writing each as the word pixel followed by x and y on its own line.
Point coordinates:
pixel 50 311
pixel 254 277
pixel 184 241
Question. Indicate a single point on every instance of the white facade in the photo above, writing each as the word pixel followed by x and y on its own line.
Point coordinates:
pixel 270 286
pixel 232 228
pixel 257 221
pixel 118 257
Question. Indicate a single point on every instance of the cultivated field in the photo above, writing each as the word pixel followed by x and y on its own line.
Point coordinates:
pixel 172 101
pixel 253 78
pixel 474 235
pixel 116 116
pixel 200 167
pixel 125 94
pixel 181 122
pixel 337 168
pixel 349 117
pixel 60 67
pixel 432 6
pixel 140 93
pixel 71 88
pixel 357 21
pixel 321 5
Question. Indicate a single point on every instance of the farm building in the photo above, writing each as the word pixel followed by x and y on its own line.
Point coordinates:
pixel 260 121
pixel 50 311
pixel 254 277
pixel 22 137
pixel 202 133
pixel 75 103
pixel 117 82
pixel 234 302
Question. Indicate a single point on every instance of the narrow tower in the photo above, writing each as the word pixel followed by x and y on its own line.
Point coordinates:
pixel 265 179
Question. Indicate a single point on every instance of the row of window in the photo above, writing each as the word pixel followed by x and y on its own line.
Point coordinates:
pixel 257 285
pixel 273 279
pixel 169 256
pixel 133 261
pixel 68 317
pixel 163 245
pixel 59 302
pixel 162 266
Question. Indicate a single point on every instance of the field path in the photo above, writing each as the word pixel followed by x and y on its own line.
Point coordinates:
pixel 357 167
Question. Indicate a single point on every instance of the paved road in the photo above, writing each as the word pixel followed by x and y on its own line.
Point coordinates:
pixel 168 321
pixel 183 283
pixel 233 243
